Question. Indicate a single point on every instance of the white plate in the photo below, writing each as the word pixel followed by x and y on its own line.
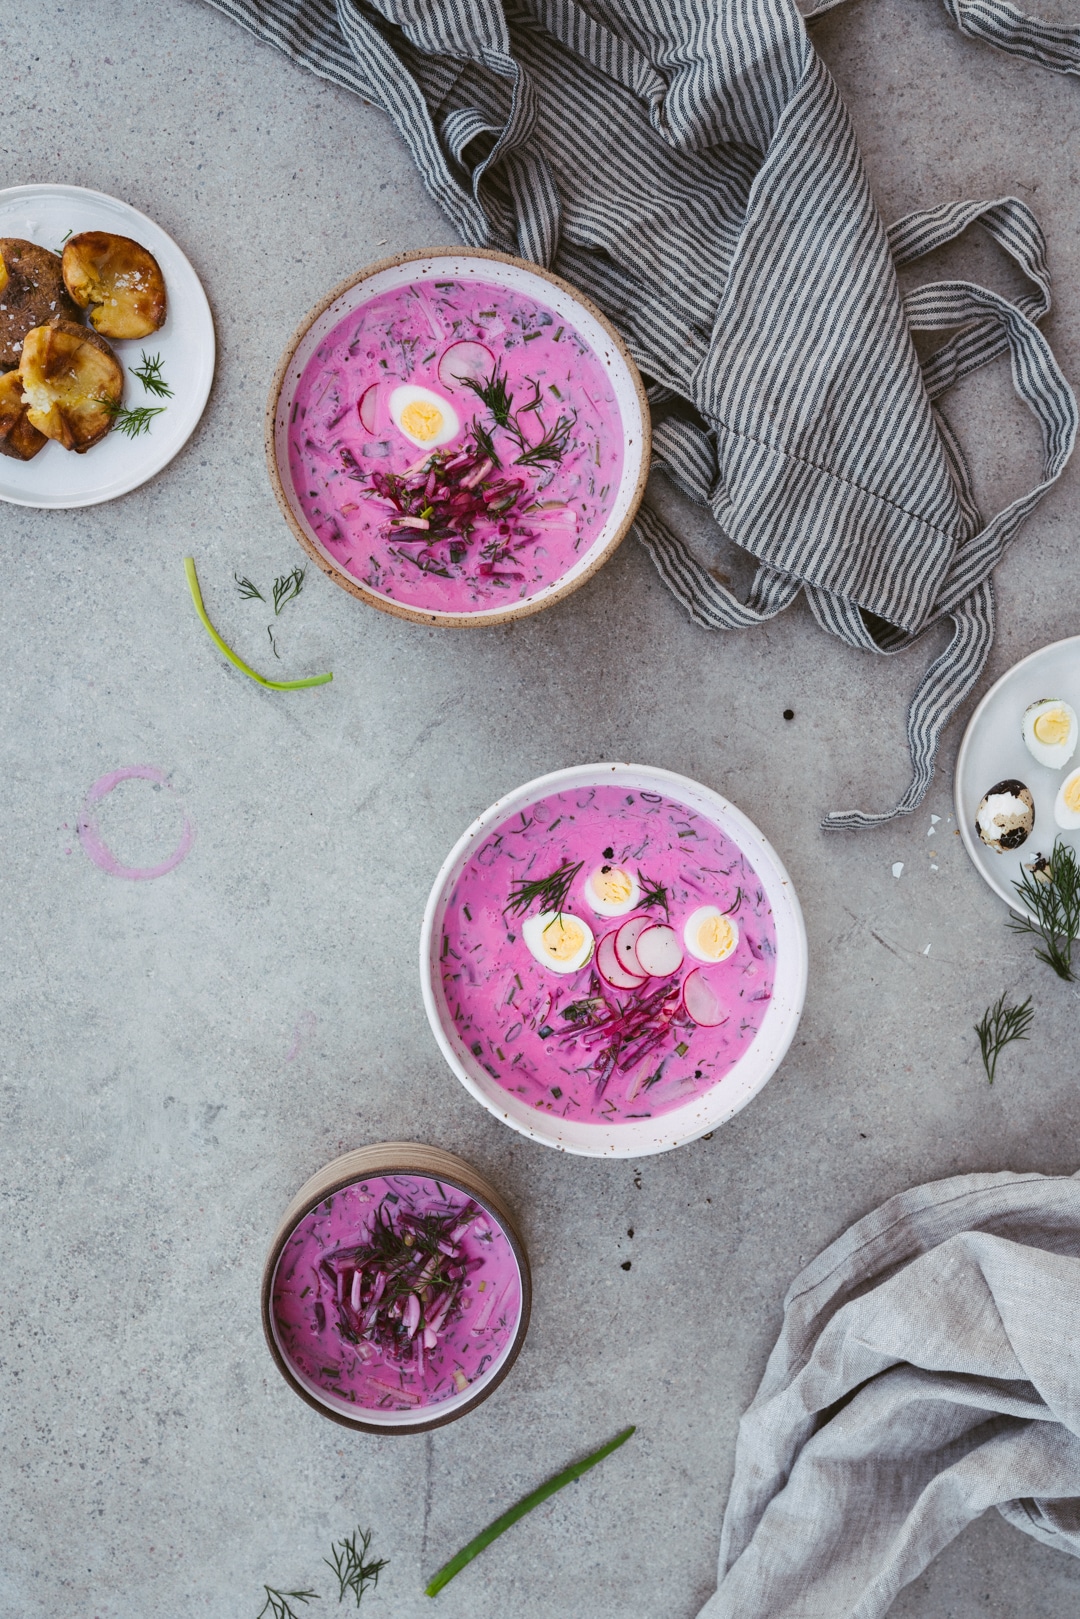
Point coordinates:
pixel 58 478
pixel 631 1138
pixel 993 750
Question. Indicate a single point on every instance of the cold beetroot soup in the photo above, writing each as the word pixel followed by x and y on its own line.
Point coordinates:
pixel 607 954
pixel 396 1293
pixel 455 445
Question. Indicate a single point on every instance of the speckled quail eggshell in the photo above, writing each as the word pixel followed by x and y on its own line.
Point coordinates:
pixel 1005 816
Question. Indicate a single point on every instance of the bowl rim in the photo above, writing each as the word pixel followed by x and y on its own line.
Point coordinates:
pixel 417 615
pixel 394 1158
pixel 753 844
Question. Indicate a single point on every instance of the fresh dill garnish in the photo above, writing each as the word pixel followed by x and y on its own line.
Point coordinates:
pixel 353 1573
pixel 278 1603
pixel 288 587
pixel 132 423
pixel 999 1025
pixel 652 893
pixel 66 238
pixel 273 643
pixel 249 591
pixel 485 443
pixel 552 447
pixel 551 890
pixel 1051 893
pixel 494 394
pixel 149 374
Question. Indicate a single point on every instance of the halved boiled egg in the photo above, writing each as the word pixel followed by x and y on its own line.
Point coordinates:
pixel 557 940
pixel 710 935
pixel 1050 731
pixel 422 417
pixel 612 890
pixel 1067 802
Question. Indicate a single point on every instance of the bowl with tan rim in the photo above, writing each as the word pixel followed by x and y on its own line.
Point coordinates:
pixel 457 437
pixel 396 1292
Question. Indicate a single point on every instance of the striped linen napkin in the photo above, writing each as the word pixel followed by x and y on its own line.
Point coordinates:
pixel 691 166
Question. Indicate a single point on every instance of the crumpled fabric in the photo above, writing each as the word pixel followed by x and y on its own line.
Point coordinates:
pixel 928 1369
pixel 689 164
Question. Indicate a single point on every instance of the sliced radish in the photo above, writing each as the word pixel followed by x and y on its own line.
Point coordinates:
pixel 626 938
pixel 366 406
pixel 702 1002
pixel 607 965
pixel 471 361
pixel 659 951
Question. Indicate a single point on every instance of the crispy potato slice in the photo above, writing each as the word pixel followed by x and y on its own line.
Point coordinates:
pixel 17 437
pixel 32 293
pixel 72 382
pixel 118 280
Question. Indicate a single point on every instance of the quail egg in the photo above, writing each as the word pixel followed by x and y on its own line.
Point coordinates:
pixel 557 940
pixel 1067 802
pixel 612 890
pixel 422 417
pixel 1006 816
pixel 1050 732
pixel 710 935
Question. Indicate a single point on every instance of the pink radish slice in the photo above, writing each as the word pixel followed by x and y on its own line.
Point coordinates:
pixel 366 406
pixel 626 939
pixel 702 1002
pixel 465 360
pixel 607 965
pixel 659 951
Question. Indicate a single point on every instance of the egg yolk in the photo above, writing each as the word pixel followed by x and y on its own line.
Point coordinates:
pixel 1071 795
pixel 612 885
pixel 1052 726
pixel 716 938
pixel 563 938
pixel 422 419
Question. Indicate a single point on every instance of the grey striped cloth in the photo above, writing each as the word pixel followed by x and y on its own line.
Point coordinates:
pixel 690 165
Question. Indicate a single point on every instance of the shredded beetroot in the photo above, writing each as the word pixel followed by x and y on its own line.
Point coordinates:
pixel 621 1032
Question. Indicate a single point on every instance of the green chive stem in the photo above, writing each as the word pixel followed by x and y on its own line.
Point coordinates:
pixel 237 662
pixel 526 1504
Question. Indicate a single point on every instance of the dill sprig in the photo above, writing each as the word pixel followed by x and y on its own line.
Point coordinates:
pixel 132 423
pixel 278 1603
pixel 247 589
pixel 149 374
pixel 652 893
pixel 352 1572
pixel 551 890
pixel 273 643
pixel 1051 894
pixel 494 394
pixel 999 1025
pixel 485 443
pixel 552 447
pixel 288 587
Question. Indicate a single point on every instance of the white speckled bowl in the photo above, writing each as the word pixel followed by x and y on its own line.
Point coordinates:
pixel 637 1138
pixel 499 269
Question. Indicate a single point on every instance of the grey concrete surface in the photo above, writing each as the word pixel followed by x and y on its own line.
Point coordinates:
pixel 179 1055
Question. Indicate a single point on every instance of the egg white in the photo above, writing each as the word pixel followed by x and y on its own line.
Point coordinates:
pixel 612 907
pixel 692 931
pixel 1065 817
pixel 410 393
pixel 533 930
pixel 1054 755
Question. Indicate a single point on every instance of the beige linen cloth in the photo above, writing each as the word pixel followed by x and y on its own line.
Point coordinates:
pixel 928 1368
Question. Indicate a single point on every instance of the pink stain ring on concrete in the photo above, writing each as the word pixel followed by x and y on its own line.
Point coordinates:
pixel 94 844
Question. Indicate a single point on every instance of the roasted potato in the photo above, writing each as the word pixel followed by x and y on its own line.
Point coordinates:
pixel 118 281
pixel 17 437
pixel 32 293
pixel 73 383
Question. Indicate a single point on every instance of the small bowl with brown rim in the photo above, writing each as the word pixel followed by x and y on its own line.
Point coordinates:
pixel 386 381
pixel 396 1293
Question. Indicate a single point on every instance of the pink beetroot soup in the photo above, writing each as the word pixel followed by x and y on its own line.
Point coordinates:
pixel 456 446
pixel 625 1033
pixel 397 1292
